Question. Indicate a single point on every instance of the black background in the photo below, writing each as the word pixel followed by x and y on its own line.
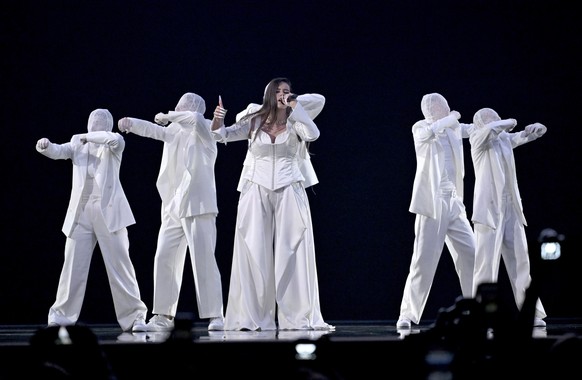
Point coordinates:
pixel 372 60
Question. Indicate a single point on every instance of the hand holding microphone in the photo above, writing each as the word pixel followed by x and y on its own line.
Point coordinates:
pixel 290 98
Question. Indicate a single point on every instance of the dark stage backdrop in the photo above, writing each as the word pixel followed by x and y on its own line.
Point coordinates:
pixel 373 60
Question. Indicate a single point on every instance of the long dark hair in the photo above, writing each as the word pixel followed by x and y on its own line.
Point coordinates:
pixel 268 110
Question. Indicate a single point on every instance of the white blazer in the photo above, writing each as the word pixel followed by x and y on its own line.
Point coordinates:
pixel 114 204
pixel 193 192
pixel 311 105
pixel 430 162
pixel 492 151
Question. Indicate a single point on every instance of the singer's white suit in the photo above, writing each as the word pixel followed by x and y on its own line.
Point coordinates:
pixel 186 184
pixel 274 274
pixel 101 216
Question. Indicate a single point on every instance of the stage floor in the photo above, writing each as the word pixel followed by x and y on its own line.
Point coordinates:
pixel 17 335
pixel 355 350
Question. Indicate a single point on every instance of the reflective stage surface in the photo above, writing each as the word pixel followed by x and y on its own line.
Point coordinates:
pixel 356 349
pixel 11 335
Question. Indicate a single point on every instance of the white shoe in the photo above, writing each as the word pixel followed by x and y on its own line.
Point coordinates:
pixel 403 323
pixel 160 323
pixel 216 324
pixel 538 322
pixel 324 327
pixel 139 325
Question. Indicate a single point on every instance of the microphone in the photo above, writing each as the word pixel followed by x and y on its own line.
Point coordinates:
pixel 292 97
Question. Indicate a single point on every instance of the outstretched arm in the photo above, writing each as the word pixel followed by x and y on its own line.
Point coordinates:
pixel 144 128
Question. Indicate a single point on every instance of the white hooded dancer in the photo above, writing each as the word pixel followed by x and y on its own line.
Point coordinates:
pixel 437 201
pixel 498 217
pixel 98 212
pixel 186 184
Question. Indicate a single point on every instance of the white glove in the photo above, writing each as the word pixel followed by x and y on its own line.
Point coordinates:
pixel 42 143
pixel 124 125
pixel 536 129
pixel 113 143
pixel 161 119
pixel 513 123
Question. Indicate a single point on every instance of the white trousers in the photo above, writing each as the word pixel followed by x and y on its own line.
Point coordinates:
pixel 273 268
pixel 451 227
pixel 198 235
pixel 507 241
pixel 79 247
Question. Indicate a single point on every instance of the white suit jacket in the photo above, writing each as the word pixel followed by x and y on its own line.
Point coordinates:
pixel 492 151
pixel 311 105
pixel 430 162
pixel 193 192
pixel 114 204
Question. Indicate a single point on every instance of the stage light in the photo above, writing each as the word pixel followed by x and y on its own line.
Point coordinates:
pixel 550 247
pixel 305 351
pixel 551 251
